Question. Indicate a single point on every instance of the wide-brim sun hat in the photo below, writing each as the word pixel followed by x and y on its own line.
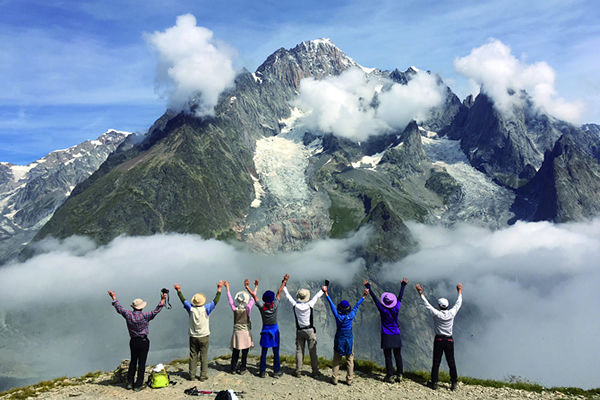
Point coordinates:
pixel 443 303
pixel 268 296
pixel 199 299
pixel 241 297
pixel 138 304
pixel 303 295
pixel 389 300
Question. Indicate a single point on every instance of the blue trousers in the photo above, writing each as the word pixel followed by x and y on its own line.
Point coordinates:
pixel 263 359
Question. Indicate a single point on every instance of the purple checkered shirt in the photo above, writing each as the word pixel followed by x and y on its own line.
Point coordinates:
pixel 137 321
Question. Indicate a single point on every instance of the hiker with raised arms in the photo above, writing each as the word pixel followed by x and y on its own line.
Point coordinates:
pixel 305 330
pixel 139 344
pixel 269 335
pixel 343 343
pixel 391 339
pixel 199 330
pixel 443 321
pixel 241 340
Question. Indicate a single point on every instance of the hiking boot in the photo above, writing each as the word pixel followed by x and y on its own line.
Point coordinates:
pixel 399 378
pixel 242 371
pixel 129 386
pixel 262 374
pixel 315 374
pixel 297 374
pixel 138 388
pixel 454 386
pixel 277 374
pixel 203 378
pixel 433 385
pixel 349 383
pixel 389 379
pixel 334 381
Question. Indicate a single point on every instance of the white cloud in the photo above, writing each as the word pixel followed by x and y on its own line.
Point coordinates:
pixel 58 303
pixel 342 104
pixel 529 297
pixel 493 68
pixel 192 65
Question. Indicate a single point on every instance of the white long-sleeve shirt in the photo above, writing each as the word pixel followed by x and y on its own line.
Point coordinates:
pixel 302 310
pixel 443 320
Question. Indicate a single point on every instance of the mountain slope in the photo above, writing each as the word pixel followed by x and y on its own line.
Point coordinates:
pixel 29 194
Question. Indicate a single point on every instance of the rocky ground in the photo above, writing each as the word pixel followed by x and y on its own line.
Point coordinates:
pixel 365 386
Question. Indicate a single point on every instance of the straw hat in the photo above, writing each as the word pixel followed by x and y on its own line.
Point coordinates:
pixel 199 299
pixel 303 295
pixel 389 300
pixel 138 304
pixel 242 297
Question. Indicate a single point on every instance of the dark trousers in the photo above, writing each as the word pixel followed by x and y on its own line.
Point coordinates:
pixel 235 355
pixel 263 359
pixel 445 345
pixel 389 365
pixel 139 352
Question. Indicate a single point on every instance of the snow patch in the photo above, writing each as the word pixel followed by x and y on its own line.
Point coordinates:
pixel 20 171
pixel 369 162
pixel 257 78
pixel 259 193
pixel 289 122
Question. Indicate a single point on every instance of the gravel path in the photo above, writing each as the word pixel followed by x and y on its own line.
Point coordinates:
pixel 286 387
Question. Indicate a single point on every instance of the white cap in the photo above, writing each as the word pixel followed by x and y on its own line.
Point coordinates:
pixel 442 302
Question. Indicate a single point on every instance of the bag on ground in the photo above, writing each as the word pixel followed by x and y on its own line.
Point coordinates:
pixel 158 377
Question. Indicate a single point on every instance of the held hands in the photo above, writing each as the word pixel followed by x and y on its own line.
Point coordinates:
pixel 419 289
pixel 286 278
pixel 365 293
pixel 219 285
pixel 112 295
pixel 177 287
pixel 405 281
pixel 324 289
pixel 226 285
pixel 366 282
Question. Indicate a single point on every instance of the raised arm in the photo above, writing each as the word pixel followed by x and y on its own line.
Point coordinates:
pixel 289 297
pixel 247 286
pixel 425 302
pixel 331 305
pixel 179 294
pixel 458 303
pixel 373 295
pixel 402 287
pixel 231 302
pixel 150 315
pixel 315 298
pixel 218 294
pixel 358 303
pixel 116 304
pixel 283 283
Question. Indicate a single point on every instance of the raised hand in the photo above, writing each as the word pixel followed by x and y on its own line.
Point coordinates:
pixel 226 285
pixel 365 293
pixel 419 288
pixel 366 282
pixel 163 296
pixel 324 289
pixel 112 295
pixel 246 282
pixel 219 285
pixel 177 287
pixel 286 277
pixel 459 287
pixel 405 280
pixel 256 282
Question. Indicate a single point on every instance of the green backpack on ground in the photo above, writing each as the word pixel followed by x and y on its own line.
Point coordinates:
pixel 158 379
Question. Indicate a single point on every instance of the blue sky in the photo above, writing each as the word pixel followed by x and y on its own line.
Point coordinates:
pixel 71 70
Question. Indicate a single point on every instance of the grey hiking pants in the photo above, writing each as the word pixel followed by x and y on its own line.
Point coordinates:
pixel 306 336
pixel 199 347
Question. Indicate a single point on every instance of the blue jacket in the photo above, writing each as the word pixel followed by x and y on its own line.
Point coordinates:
pixel 344 338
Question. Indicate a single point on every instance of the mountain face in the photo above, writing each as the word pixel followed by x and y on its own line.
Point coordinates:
pixel 29 194
pixel 253 173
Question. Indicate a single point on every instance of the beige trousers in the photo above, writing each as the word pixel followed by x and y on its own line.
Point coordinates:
pixel 199 348
pixel 306 336
pixel 337 358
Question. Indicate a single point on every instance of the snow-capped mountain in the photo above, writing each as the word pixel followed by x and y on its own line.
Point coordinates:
pixel 29 194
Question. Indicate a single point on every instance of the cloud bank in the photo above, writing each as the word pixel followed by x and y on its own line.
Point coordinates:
pixel 493 68
pixel 56 318
pixel 193 67
pixel 356 105
pixel 529 297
